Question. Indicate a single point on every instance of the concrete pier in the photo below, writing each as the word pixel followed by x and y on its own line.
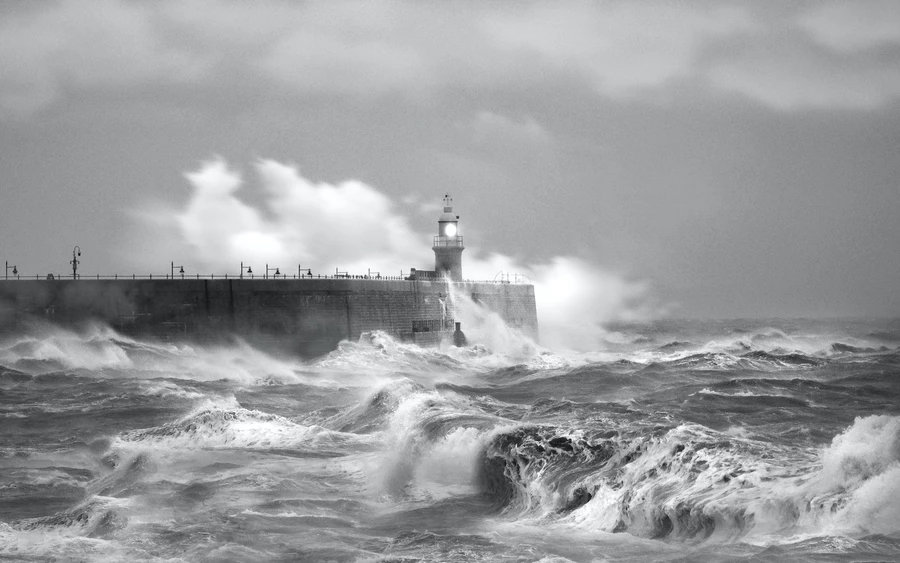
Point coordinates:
pixel 304 317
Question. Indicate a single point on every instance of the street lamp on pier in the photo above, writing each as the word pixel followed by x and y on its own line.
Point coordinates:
pixel 268 269
pixel 249 271
pixel 300 273
pixel 75 262
pixel 180 271
pixel 15 271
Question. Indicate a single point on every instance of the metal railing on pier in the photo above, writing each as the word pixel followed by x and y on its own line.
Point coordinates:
pixel 177 277
pixel 280 277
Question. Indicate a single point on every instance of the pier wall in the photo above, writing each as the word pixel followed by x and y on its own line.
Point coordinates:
pixel 306 317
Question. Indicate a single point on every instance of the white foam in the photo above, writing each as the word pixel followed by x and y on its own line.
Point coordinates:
pixel 737 431
pixel 868 448
pixel 423 452
pixel 225 424
pixel 35 539
pixel 708 391
pixel 861 470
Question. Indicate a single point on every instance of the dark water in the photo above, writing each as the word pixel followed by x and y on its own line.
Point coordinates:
pixel 676 441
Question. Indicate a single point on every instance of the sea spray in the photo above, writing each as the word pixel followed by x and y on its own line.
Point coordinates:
pixel 860 477
pixel 433 442
pixel 486 328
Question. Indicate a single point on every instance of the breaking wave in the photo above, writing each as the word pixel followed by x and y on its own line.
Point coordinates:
pixel 692 483
pixel 225 424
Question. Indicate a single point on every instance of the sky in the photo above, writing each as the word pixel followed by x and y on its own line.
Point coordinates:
pixel 632 159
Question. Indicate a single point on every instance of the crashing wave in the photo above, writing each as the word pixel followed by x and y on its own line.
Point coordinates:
pixel 694 483
pixel 373 412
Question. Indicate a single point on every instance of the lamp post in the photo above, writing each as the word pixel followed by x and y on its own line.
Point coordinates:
pixel 15 271
pixel 180 271
pixel 249 271
pixel 300 273
pixel 268 269
pixel 75 262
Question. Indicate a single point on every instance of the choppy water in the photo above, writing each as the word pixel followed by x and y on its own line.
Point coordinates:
pixel 676 441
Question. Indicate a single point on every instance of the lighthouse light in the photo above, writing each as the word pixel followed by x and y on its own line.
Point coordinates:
pixel 450 230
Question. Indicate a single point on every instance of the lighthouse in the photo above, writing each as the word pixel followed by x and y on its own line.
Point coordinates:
pixel 448 244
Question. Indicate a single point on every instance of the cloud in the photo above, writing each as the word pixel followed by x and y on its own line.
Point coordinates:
pixel 428 208
pixel 353 47
pixel 838 55
pixel 850 27
pixel 618 47
pixel 800 79
pixel 493 129
pixel 350 226
pixel 215 220
pixel 424 51
pixel 99 44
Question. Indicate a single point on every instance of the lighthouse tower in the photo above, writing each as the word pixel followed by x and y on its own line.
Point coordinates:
pixel 448 244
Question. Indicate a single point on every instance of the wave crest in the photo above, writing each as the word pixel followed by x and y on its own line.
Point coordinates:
pixel 228 425
pixel 694 483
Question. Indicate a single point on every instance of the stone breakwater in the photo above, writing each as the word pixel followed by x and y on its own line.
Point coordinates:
pixel 306 317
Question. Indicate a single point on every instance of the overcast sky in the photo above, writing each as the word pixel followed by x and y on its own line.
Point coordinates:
pixel 720 159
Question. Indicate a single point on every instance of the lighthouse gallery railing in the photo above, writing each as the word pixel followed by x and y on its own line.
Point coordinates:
pixel 448 241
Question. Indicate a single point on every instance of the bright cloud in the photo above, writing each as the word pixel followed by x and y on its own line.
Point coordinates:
pixel 350 226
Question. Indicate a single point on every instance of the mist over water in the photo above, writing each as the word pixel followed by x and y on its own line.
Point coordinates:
pixel 716 441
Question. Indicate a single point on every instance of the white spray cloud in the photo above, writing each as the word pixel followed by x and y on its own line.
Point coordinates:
pixel 350 226
pixel 354 227
pixel 574 297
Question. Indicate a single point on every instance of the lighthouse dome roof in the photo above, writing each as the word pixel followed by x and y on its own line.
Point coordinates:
pixel 447 216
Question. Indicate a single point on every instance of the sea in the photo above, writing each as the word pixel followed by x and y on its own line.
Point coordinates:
pixel 676 440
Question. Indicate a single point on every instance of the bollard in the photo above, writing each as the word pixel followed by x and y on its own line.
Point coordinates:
pixel 459 338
